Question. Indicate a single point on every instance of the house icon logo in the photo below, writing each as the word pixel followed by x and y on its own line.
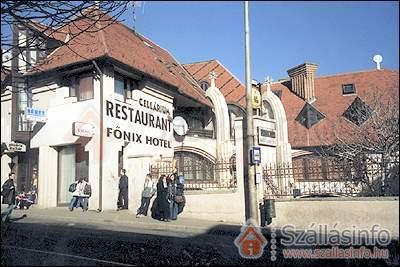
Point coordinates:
pixel 250 242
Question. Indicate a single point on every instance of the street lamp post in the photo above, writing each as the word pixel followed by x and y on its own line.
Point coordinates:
pixel 250 185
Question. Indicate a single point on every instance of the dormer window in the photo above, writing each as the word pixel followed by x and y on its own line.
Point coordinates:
pixel 204 85
pixel 348 89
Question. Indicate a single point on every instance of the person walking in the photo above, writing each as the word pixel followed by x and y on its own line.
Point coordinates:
pixel 123 191
pixel 79 194
pixel 148 192
pixel 8 190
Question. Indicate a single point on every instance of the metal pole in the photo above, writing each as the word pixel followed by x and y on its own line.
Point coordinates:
pixel 251 185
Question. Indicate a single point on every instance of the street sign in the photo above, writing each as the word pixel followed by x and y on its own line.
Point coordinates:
pixel 256 155
pixel 82 129
pixel 15 147
pixel 35 114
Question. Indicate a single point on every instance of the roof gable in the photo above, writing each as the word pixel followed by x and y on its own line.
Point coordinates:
pixel 115 40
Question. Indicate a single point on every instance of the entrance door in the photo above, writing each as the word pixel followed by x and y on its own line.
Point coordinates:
pixel 66 173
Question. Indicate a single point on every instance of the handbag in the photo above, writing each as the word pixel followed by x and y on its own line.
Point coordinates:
pixel 179 199
pixel 72 187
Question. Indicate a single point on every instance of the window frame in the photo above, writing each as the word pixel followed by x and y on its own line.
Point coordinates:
pixel 129 85
pixel 348 93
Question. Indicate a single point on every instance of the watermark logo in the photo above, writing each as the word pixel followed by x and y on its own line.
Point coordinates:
pixel 250 241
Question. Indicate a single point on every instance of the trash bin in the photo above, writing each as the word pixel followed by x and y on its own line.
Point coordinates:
pixel 267 211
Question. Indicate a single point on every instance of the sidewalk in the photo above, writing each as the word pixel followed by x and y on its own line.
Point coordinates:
pixel 117 220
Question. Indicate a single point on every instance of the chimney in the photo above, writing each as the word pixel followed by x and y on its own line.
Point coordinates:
pixel 302 78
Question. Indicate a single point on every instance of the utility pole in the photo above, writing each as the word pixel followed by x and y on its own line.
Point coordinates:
pixel 251 183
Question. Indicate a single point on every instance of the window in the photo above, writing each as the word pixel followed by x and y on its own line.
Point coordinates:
pixel 309 116
pixel 204 85
pixel 24 98
pixel 358 112
pixel 82 87
pixel 123 87
pixel 194 167
pixel 348 89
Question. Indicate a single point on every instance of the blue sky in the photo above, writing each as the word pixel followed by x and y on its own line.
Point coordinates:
pixel 339 36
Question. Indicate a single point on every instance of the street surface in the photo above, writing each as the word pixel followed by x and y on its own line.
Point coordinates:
pixel 59 237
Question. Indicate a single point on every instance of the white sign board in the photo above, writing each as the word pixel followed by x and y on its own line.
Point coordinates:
pixel 82 129
pixel 15 147
pixel 266 136
pixel 35 114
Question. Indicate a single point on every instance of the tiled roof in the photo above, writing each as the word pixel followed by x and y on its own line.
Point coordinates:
pixel 115 40
pixel 232 89
pixel 330 101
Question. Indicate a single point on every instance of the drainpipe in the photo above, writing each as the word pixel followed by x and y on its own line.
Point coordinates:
pixel 101 139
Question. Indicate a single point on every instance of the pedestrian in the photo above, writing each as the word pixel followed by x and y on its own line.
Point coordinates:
pixel 79 194
pixel 173 206
pixel 149 189
pixel 163 199
pixel 123 191
pixel 8 190
pixel 87 193
pixel 180 196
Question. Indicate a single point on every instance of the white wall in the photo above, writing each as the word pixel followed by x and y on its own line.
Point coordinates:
pixel 5 132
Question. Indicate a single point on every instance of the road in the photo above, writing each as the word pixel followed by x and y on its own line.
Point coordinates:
pixel 40 241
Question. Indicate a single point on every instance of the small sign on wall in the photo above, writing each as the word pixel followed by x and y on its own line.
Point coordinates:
pixel 82 129
pixel 266 136
pixel 15 147
pixel 35 114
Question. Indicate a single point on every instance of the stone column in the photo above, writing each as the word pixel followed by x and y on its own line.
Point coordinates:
pixel 240 168
pixel 47 177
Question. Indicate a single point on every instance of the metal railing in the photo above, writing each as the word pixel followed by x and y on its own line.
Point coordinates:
pixel 324 177
pixel 214 176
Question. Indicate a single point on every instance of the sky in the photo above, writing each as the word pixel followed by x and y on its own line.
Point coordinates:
pixel 338 36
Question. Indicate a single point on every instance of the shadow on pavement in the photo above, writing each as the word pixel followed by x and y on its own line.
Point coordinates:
pixel 26 243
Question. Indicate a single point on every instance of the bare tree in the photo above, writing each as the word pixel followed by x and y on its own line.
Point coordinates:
pixel 48 20
pixel 367 144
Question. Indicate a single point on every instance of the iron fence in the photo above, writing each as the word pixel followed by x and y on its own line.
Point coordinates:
pixel 326 177
pixel 199 175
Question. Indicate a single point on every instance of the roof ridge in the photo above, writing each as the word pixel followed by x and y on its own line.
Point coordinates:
pixel 233 75
pixel 355 72
pixel 102 36
pixel 197 62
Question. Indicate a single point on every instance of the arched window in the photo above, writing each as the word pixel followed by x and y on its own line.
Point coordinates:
pixel 204 85
pixel 194 167
pixel 267 110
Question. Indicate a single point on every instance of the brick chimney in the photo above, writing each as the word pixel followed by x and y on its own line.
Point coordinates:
pixel 302 78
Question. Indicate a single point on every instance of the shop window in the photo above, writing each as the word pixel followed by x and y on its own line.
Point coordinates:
pixel 82 87
pixel 123 87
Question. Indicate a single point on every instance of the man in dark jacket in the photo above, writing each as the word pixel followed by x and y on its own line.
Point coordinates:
pixel 123 191
pixel 8 190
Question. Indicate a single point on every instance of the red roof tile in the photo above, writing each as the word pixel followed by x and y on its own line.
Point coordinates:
pixel 330 101
pixel 232 89
pixel 126 46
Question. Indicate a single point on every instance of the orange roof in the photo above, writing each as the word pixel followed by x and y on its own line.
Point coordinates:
pixel 330 101
pixel 115 40
pixel 232 89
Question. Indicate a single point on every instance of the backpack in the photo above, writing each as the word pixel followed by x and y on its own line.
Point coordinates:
pixel 72 187
pixel 87 190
